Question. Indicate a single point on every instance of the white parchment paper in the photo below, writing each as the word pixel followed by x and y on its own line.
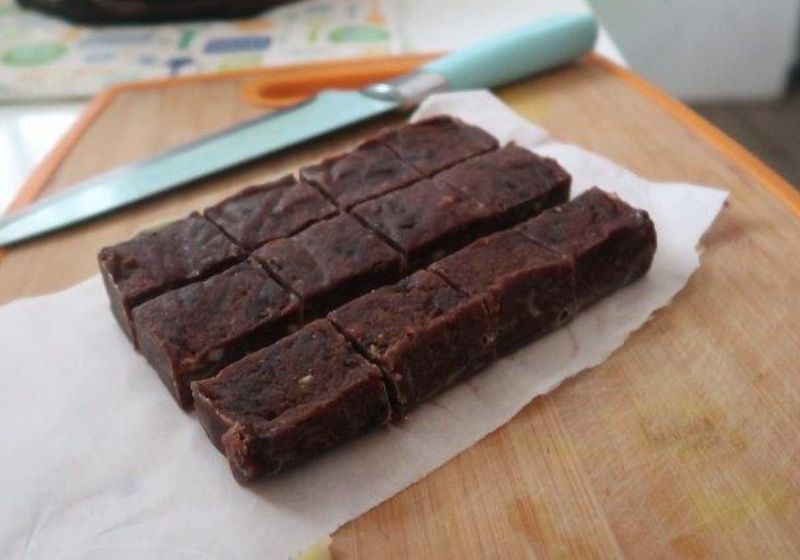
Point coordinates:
pixel 97 462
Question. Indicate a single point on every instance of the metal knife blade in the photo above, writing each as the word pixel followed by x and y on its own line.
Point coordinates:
pixel 328 111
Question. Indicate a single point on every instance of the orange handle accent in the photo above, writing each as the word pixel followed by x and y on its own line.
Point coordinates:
pixel 287 86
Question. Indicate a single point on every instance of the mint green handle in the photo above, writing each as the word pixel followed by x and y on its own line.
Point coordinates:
pixel 519 53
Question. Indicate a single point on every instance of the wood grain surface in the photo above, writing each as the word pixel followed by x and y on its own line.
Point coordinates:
pixel 685 443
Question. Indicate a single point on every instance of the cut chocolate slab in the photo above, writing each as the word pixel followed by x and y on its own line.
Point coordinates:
pixel 189 333
pixel 612 243
pixel 331 262
pixel 530 290
pixel 513 181
pixel 370 170
pixel 434 144
pixel 271 211
pixel 311 391
pixel 154 262
pixel 296 398
pixel 423 334
pixel 426 220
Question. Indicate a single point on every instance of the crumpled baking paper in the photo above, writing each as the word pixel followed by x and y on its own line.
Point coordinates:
pixel 97 462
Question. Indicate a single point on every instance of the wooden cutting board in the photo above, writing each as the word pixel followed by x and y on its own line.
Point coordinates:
pixel 686 442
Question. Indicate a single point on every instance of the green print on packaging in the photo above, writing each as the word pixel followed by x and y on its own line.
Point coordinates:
pixel 34 54
pixel 358 34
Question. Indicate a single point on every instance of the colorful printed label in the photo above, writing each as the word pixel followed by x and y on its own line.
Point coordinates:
pixel 43 57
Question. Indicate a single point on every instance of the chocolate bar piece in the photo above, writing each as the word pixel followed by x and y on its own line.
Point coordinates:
pixel 530 290
pixel 611 242
pixel 271 211
pixel 296 398
pixel 153 262
pixel 423 334
pixel 190 333
pixel 426 220
pixel 331 262
pixel 512 181
pixel 370 170
pixel 434 144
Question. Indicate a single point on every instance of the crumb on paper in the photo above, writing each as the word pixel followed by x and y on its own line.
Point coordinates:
pixel 320 551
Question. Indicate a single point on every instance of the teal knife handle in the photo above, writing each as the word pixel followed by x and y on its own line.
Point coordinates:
pixel 519 53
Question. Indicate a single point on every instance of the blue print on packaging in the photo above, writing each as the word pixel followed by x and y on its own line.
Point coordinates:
pixel 225 45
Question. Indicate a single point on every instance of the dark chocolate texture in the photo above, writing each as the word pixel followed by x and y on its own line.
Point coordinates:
pixel 512 181
pixel 190 333
pixel 409 196
pixel 153 262
pixel 271 211
pixel 530 290
pixel 423 334
pixel 304 394
pixel 370 170
pixel 426 220
pixel 434 144
pixel 611 242
pixel 330 263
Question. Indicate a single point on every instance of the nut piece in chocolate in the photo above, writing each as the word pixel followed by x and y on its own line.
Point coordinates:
pixel 434 144
pixel 271 211
pixel 153 262
pixel 426 220
pixel 296 398
pixel 530 290
pixel 423 334
pixel 611 242
pixel 370 170
pixel 190 333
pixel 513 181
pixel 330 263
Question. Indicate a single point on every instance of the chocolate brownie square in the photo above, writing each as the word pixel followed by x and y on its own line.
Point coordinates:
pixel 293 399
pixel 153 262
pixel 330 263
pixel 368 171
pixel 423 334
pixel 271 211
pixel 434 144
pixel 611 242
pixel 426 220
pixel 190 333
pixel 530 289
pixel 513 181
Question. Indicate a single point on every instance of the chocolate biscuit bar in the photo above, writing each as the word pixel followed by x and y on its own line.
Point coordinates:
pixel 309 392
pixel 422 333
pixel 434 144
pixel 530 290
pixel 271 211
pixel 611 242
pixel 364 173
pixel 153 262
pixel 190 333
pixel 514 182
pixel 426 220
pixel 330 263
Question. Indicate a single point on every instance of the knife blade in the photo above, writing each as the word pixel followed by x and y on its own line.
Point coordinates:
pixel 492 62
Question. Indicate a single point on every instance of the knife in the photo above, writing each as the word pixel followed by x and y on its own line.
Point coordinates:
pixel 492 62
